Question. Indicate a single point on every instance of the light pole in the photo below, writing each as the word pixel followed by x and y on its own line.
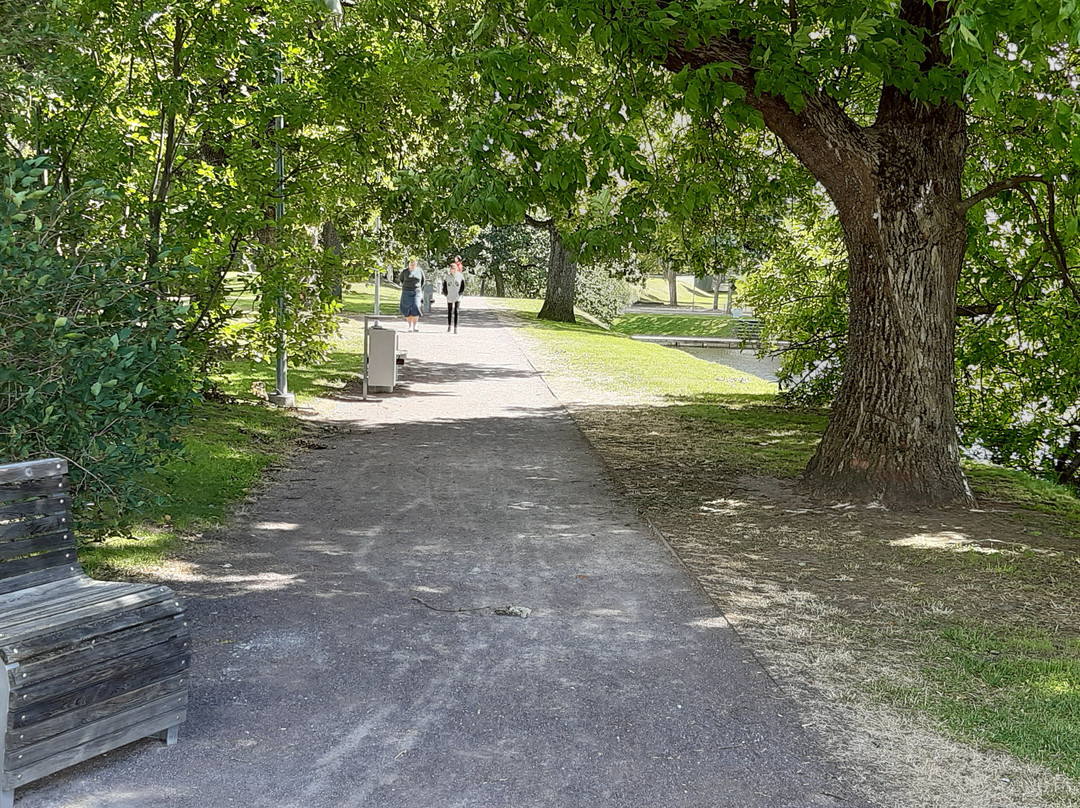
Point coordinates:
pixel 281 396
pixel 378 274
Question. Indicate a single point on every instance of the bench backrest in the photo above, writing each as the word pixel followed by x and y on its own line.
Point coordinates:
pixel 37 544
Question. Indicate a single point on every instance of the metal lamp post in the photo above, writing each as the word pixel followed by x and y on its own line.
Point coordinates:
pixel 281 395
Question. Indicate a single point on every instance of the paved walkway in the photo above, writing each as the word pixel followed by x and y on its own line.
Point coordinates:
pixel 347 653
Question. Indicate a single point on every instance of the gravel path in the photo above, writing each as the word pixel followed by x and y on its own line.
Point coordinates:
pixel 350 650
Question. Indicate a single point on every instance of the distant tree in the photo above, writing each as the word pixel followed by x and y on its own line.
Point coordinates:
pixel 512 258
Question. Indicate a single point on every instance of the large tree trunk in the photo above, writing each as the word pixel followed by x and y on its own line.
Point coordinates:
pixel 892 435
pixel 561 282
pixel 896 185
pixel 672 285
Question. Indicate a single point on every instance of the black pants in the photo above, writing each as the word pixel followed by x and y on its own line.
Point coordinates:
pixel 451 313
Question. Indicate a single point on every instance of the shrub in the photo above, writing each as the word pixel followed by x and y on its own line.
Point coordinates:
pixel 92 368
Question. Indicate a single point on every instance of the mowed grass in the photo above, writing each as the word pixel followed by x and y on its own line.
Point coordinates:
pixel 675 325
pixel 765 437
pixel 656 291
pixel 628 367
pixel 1002 688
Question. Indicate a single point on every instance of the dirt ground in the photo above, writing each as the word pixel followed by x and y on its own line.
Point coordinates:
pixel 836 599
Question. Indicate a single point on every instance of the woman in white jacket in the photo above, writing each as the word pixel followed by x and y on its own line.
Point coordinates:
pixel 453 287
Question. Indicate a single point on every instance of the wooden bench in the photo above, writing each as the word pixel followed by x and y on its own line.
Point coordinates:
pixel 748 330
pixel 90 665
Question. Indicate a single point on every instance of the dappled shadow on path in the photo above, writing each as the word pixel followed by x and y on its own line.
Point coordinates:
pixel 346 615
pixel 416 372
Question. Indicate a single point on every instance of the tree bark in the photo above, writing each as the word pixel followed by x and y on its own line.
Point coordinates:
pixel 672 285
pixel 561 282
pixel 892 435
pixel 896 186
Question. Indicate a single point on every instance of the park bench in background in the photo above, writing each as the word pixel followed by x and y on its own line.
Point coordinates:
pixel 748 330
pixel 88 665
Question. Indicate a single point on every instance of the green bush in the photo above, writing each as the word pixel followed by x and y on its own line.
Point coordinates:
pixel 93 369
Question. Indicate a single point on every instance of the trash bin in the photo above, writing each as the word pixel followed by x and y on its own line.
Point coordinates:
pixel 382 359
pixel 429 295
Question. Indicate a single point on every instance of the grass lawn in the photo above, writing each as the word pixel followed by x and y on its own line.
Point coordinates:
pixel 675 325
pixel 226 449
pixel 968 619
pixel 656 291
pixel 626 366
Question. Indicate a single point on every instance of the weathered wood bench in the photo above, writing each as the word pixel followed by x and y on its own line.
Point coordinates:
pixel 89 665
pixel 748 330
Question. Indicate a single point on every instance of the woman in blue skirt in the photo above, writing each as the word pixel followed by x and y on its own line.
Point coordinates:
pixel 412 285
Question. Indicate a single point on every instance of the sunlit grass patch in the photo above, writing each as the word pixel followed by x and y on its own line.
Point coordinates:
pixel 686 294
pixel 1015 690
pixel 343 363
pixel 629 367
pixel 675 325
pixel 359 298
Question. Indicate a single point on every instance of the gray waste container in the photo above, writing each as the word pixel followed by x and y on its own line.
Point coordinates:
pixel 382 359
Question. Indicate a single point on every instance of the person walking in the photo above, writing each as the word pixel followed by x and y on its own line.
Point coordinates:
pixel 412 282
pixel 453 287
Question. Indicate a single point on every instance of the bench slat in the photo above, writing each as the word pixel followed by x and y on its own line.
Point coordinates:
pixel 32 469
pixel 66 557
pixel 34 488
pixel 16 739
pixel 40 644
pixel 86 605
pixel 30 527
pixel 116 734
pixel 36 577
pixel 95 693
pixel 43 506
pixel 80 590
pixel 99 650
pixel 11 602
pixel 117 669
pixel 102 727
pixel 38 543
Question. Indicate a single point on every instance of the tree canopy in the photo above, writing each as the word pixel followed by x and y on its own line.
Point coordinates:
pixel 922 151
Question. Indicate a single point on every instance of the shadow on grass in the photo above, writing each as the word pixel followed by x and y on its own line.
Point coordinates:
pixel 762 437
pixel 238 377
pixel 226 449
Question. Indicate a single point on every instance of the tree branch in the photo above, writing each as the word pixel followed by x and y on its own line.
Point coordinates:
pixel 821 135
pixel 995 188
pixel 976 310
pixel 543 224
